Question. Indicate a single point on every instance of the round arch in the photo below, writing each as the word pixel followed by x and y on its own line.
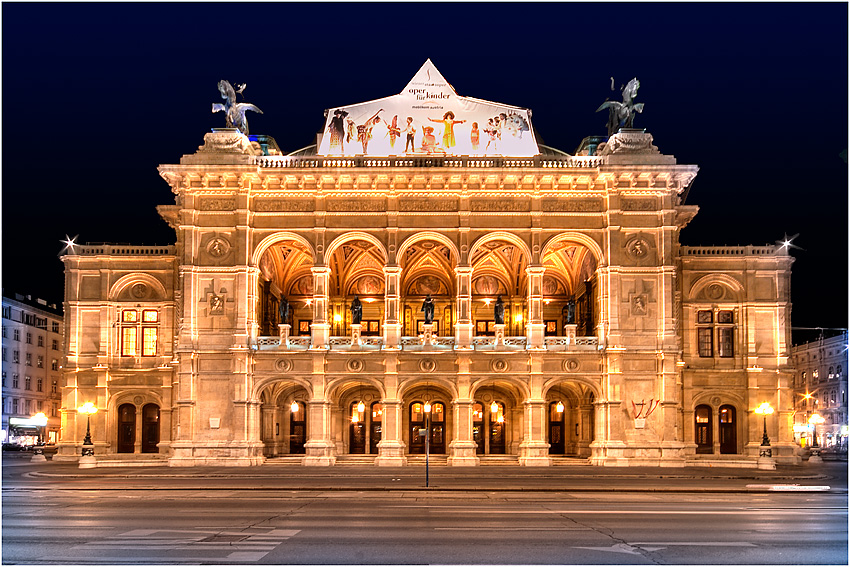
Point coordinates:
pixel 405 387
pixel 726 398
pixel 356 235
pixel 520 387
pixel 268 383
pixel 577 238
pixel 501 235
pixel 337 385
pixel 722 279
pixel 593 386
pixel 427 235
pixel 137 277
pixel 272 239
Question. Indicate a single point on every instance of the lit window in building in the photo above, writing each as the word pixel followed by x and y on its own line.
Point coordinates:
pixel 838 371
pixel 149 335
pixel 150 316
pixel 27 383
pixel 831 372
pixel 39 361
pixel 53 387
pixel 29 359
pixel 815 374
pixel 54 364
pixel 128 341
pixel 16 356
pixel 704 338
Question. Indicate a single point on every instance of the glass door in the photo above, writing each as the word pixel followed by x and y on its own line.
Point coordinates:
pixel 126 428
pixel 375 427
pixel 556 429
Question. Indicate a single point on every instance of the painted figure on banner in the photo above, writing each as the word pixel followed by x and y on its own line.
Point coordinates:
pixel 350 130
pixel 448 121
pixel 356 311
pixel 337 130
pixel 393 130
pixel 499 311
pixel 428 309
pixel 364 131
pixel 410 131
pixel 492 132
pixel 475 137
pixel 429 141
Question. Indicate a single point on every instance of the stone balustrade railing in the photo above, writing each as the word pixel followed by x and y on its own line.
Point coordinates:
pixel 470 162
pixel 412 343
pixel 729 250
pixel 119 250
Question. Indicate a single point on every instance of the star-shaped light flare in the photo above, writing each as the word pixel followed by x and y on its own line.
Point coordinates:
pixel 787 242
pixel 69 243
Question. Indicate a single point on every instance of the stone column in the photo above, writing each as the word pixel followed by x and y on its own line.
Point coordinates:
pixel 463 327
pixel 391 447
pixel 320 328
pixel 462 447
pixel 570 333
pixel 319 447
pixel 534 449
pixel 392 324
pixel 356 342
pixel 284 335
pixel 535 327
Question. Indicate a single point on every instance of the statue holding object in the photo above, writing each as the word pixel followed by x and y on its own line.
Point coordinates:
pixel 622 114
pixel 234 111
pixel 356 311
pixel 283 309
pixel 428 309
pixel 499 311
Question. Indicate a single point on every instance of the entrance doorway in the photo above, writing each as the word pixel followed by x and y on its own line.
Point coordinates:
pixel 557 446
pixel 435 428
pixel 728 434
pixel 702 430
pixel 488 428
pixel 126 428
pixel 357 431
pixel 150 428
pixel 297 428
pixel 375 427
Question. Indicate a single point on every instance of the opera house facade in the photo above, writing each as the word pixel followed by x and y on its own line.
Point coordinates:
pixel 428 277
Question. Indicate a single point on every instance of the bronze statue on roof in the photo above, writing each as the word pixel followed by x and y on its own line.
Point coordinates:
pixel 234 111
pixel 622 114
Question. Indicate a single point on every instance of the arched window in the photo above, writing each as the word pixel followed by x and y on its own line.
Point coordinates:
pixel 702 430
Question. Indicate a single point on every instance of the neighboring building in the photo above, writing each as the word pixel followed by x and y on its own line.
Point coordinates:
pixel 618 346
pixel 32 368
pixel 820 387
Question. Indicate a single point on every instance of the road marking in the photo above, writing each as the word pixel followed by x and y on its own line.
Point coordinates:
pixel 636 548
pixel 788 488
pixel 751 511
pixel 234 546
pixel 616 548
pixel 699 543
pixel 501 529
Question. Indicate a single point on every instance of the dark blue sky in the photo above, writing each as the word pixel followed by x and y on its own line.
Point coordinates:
pixel 96 96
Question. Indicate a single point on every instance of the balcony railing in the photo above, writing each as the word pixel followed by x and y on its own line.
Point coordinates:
pixel 482 343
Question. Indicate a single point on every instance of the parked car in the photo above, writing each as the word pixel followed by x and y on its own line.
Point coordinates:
pixel 13 447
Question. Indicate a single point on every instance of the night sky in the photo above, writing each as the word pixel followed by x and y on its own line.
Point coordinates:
pixel 95 96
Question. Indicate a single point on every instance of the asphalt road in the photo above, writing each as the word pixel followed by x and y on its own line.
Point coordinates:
pixel 58 515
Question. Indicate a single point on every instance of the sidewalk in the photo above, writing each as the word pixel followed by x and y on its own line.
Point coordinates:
pixel 475 479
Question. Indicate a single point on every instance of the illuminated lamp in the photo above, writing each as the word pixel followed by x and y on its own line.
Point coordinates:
pixel 294 407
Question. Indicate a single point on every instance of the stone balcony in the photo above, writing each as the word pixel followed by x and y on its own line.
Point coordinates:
pixel 416 344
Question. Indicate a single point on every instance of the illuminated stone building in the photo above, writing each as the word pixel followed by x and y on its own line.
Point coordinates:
pixel 618 345
pixel 820 387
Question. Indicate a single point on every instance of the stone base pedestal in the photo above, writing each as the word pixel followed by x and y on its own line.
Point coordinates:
pixel 427 334
pixel 284 335
pixel 814 457
pixel 88 462
pixel 391 454
pixel 534 454
pixel 355 335
pixel 765 461
pixel 500 335
pixel 319 454
pixel 462 454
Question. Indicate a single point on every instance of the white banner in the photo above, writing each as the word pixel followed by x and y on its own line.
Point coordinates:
pixel 428 118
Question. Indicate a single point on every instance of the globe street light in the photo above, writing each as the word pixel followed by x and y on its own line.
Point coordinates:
pixel 814 421
pixel 40 421
pixel 88 408
pixel 765 410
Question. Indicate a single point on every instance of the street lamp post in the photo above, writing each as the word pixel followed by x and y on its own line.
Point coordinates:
pixel 814 421
pixel 765 460
pixel 427 439
pixel 87 459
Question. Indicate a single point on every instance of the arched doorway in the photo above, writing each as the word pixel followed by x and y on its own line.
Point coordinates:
pixel 423 422
pixel 570 408
pixel 283 418
pixel 702 430
pixel 357 432
pixel 126 428
pixel 150 428
pixel 728 430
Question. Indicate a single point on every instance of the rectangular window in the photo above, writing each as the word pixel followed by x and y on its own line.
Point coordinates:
pixel 53 387
pixel 27 383
pixel 14 405
pixel 128 341
pixel 129 316
pixel 7 312
pixel 54 411
pixel 39 385
pixel 54 364
pixel 29 338
pixel 16 356
pixel 15 382
pixel 705 317
pixel 705 342
pixel 149 341
pixel 26 406
pixel 150 316
pixel 725 342
pixel 40 405
pixel 4 378
pixel 4 331
pixel 55 327
pixel 16 334
pixel 4 354
pixel 40 340
pixel 29 359
pixel 39 361
pixel 55 345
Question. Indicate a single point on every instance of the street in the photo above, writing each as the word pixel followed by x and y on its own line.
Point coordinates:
pixel 59 515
